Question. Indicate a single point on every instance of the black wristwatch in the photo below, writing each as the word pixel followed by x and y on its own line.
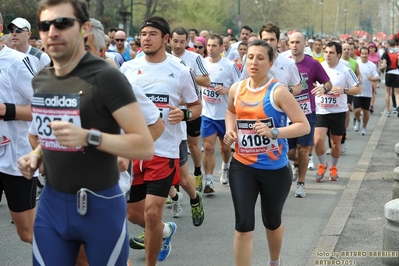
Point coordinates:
pixel 94 138
pixel 187 114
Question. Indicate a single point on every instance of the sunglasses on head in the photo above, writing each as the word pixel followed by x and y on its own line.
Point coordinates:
pixel 59 23
pixel 198 47
pixel 119 40
pixel 17 30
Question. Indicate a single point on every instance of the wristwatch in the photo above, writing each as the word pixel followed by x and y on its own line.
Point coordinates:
pixel 275 133
pixel 94 138
pixel 346 90
pixel 187 114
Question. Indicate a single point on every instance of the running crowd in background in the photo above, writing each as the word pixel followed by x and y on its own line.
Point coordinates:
pixel 68 92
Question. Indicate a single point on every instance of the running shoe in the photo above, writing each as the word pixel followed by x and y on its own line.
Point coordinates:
pixel 176 205
pixel 387 114
pixel 333 173
pixel 320 172
pixel 357 125
pixel 343 148
pixel 300 191
pixel 209 188
pixel 328 152
pixel 311 163
pixel 138 242
pixel 224 177
pixel 294 172
pixel 394 110
pixel 166 246
pixel 364 132
pixel 197 211
pixel 168 200
pixel 198 182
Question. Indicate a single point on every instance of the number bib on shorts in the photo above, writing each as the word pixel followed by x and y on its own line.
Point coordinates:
pixel 249 142
pixel 161 101
pixel 47 108
pixel 210 95
pixel 304 102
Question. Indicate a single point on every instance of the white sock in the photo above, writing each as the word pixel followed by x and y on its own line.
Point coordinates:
pixel 274 262
pixel 225 165
pixel 166 230
pixel 209 177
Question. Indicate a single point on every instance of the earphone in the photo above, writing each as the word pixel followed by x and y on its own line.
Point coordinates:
pixel 82 32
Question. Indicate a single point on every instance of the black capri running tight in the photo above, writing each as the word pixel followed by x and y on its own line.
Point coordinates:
pixel 245 184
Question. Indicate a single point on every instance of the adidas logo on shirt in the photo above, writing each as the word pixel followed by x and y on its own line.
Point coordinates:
pixel 139 72
pixel 172 75
pixel 221 69
pixel 281 68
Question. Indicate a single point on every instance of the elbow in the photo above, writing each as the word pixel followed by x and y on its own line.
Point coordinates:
pixel 148 152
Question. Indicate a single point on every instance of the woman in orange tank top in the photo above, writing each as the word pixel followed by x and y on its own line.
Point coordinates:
pixel 256 120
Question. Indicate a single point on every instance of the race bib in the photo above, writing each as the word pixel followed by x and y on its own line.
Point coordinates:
pixel 47 108
pixel 249 142
pixel 210 95
pixel 161 101
pixel 304 102
pixel 328 101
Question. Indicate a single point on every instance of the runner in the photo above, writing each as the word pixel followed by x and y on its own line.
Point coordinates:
pixel 331 109
pixel 79 106
pixel 260 163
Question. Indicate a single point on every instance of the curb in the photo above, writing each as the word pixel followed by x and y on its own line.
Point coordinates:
pixel 332 232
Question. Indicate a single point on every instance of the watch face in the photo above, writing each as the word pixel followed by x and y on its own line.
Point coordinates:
pixel 95 138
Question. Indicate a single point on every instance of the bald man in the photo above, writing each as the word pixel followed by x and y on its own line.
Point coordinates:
pixel 314 81
pixel 120 39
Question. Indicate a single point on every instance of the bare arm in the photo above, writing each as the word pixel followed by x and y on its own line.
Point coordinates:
pixel 300 125
pixel 203 80
pixel 157 129
pixel 22 112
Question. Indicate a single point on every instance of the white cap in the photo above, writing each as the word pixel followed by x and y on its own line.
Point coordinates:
pixel 20 23
pixel 310 41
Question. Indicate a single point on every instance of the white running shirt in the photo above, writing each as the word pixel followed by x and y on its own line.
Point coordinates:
pixel 367 69
pixel 16 87
pixel 341 76
pixel 224 73
pixel 164 83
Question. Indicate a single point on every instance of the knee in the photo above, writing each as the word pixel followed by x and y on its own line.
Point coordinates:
pixel 303 150
pixel 193 146
pixel 273 224
pixel 209 147
pixel 153 216
pixel 243 236
pixel 183 179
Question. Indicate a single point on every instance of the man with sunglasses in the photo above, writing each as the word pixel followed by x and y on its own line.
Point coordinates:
pixel 19 34
pixel 80 106
pixel 16 93
pixel 126 52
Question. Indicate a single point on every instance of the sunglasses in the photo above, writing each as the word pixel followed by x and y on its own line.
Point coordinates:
pixel 198 47
pixel 119 40
pixel 17 30
pixel 59 23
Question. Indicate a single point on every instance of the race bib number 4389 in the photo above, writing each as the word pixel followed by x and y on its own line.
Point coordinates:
pixel 249 142
pixel 47 108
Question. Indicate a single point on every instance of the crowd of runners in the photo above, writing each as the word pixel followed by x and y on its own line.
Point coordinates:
pixel 98 127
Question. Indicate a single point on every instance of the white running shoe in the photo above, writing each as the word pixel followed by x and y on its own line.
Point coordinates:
pixel 224 177
pixel 300 191
pixel 176 206
pixel 387 114
pixel 311 163
pixel 343 148
pixel 364 132
pixel 357 125
pixel 295 172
